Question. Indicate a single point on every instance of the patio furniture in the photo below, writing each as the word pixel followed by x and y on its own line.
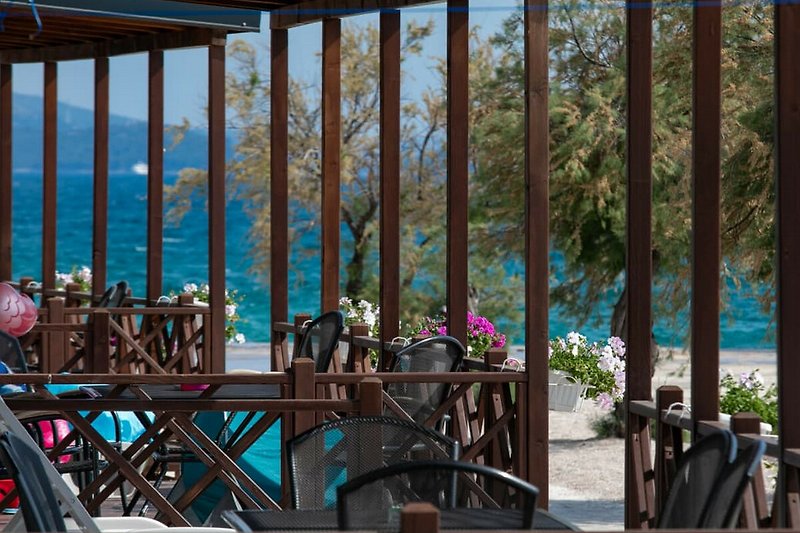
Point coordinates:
pixel 321 338
pixel 249 521
pixel 114 295
pixel 11 354
pixel 441 354
pixel 726 502
pixel 327 455
pixel 477 496
pixel 695 481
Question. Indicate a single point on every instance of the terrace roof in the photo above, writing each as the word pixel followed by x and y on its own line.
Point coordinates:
pixel 55 30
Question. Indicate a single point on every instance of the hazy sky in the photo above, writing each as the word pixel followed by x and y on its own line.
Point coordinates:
pixel 185 71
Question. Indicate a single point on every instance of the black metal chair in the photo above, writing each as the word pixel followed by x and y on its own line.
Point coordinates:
pixel 114 295
pixel 435 354
pixel 11 354
pixel 320 339
pixel 329 454
pixel 725 504
pixel 38 504
pixel 695 480
pixel 470 496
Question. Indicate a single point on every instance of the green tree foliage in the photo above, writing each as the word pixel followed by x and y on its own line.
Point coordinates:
pixel 587 149
pixel 422 168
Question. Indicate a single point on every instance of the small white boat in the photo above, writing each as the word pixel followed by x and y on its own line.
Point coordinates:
pixel 139 168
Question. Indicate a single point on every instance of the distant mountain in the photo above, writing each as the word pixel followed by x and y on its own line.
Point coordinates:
pixel 127 140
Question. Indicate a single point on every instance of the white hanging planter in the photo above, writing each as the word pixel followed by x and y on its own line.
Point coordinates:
pixel 565 393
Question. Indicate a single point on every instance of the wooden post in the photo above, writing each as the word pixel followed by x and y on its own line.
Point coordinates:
pixel 706 248
pixel 669 447
pixel 755 512
pixel 537 249
pixel 216 204
pixel 390 178
pixel 155 174
pixel 457 167
pixel 99 356
pixel 357 356
pixel 419 516
pixel 50 179
pixel 304 388
pixel 787 168
pixel 6 204
pixel 54 356
pixel 100 196
pixel 331 156
pixel 371 397
pixel 279 193
pixel 639 242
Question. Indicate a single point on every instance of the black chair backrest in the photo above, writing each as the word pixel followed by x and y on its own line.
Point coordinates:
pixel 726 500
pixel 476 496
pixel 435 354
pixel 694 481
pixel 37 500
pixel 327 455
pixel 114 295
pixel 321 339
pixel 11 353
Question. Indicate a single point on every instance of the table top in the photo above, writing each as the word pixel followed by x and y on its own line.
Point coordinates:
pixel 325 519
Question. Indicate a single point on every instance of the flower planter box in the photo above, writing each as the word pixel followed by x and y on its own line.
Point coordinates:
pixel 564 393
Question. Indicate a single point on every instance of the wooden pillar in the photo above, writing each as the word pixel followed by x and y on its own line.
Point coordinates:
pixel 457 166
pixel 50 179
pixel 537 247
pixel 6 204
pixel 706 249
pixel 216 202
pixel 331 155
pixel 390 176
pixel 155 174
pixel 639 235
pixel 279 186
pixel 100 201
pixel 787 167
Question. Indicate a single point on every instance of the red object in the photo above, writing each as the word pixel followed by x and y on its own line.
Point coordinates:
pixel 194 386
pixel 17 311
pixel 6 485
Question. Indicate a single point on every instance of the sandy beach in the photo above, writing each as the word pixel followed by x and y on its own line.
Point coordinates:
pixel 586 473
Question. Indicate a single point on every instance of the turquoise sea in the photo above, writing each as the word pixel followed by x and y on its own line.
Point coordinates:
pixel 744 326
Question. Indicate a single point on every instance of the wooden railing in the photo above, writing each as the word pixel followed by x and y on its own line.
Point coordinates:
pixel 142 337
pixel 655 461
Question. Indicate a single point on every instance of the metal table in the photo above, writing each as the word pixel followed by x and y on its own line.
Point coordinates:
pixel 295 519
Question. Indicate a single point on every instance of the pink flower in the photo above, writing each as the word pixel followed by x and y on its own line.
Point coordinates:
pixel 605 401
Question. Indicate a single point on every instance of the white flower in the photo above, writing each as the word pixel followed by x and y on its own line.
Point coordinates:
pixel 575 338
pixel 605 401
pixel 85 274
pixel 204 288
pixel 190 287
pixel 230 310
pixel 239 338
pixel 345 301
pixel 575 350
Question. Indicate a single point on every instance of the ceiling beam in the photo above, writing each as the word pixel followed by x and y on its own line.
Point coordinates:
pixel 127 45
pixel 316 10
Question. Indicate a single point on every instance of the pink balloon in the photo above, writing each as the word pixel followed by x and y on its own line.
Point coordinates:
pixel 17 312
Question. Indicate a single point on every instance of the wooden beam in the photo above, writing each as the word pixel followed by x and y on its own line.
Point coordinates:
pixel 279 177
pixel 127 45
pixel 155 174
pixel 317 10
pixel 6 175
pixel 537 245
pixel 50 179
pixel 457 167
pixel 100 202
pixel 331 156
pixel 787 169
pixel 216 204
pixel 390 176
pixel 706 249
pixel 639 232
